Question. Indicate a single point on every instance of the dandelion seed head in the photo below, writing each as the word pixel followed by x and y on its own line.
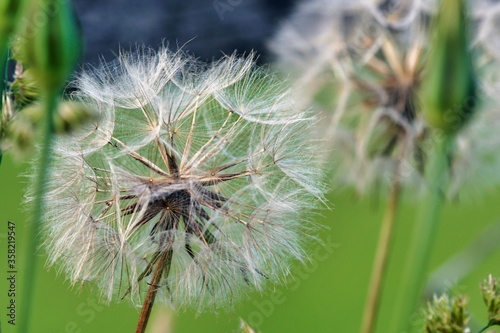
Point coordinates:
pixel 210 163
pixel 361 62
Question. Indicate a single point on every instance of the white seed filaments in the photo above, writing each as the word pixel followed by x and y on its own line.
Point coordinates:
pixel 203 170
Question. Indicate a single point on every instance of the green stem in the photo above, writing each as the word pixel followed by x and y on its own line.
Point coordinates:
pixel 461 264
pixel 423 236
pixel 484 328
pixel 381 258
pixel 490 324
pixel 50 104
pixel 3 74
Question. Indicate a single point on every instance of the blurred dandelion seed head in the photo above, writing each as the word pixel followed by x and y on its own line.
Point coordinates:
pixel 210 163
pixel 361 63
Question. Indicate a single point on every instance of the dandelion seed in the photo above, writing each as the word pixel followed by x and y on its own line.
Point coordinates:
pixel 202 170
pixel 361 62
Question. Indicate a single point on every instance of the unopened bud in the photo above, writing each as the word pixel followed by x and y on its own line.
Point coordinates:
pixel 491 297
pixel 24 89
pixel 447 316
pixel 448 87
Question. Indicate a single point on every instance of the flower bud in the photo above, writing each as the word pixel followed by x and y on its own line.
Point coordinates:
pixel 24 89
pixel 448 87
pixel 447 316
pixel 491 297
pixel 51 42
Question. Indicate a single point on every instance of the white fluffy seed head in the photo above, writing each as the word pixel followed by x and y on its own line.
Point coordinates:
pixel 360 63
pixel 212 164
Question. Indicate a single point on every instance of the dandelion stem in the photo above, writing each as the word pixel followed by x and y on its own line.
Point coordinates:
pixel 162 265
pixel 381 258
pixel 423 235
pixel 50 104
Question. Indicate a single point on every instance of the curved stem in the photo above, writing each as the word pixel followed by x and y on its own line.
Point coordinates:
pixel 50 104
pixel 490 324
pixel 381 258
pixel 423 236
pixel 163 264
pixel 484 328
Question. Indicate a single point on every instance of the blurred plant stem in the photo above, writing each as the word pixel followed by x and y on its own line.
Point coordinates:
pixel 51 99
pixel 162 320
pixel 448 97
pixel 51 51
pixel 423 236
pixel 4 51
pixel 3 73
pixel 461 264
pixel 381 258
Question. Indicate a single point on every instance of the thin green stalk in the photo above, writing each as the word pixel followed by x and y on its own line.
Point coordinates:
pixel 3 73
pixel 50 104
pixel 381 258
pixel 423 236
pixel 4 55
pixel 484 328
pixel 490 324
pixel 461 264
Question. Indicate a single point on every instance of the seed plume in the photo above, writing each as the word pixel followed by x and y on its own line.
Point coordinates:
pixel 205 171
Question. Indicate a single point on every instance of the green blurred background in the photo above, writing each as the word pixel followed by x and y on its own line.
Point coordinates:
pixel 325 296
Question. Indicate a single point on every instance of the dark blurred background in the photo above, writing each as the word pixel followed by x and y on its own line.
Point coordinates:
pixel 209 26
